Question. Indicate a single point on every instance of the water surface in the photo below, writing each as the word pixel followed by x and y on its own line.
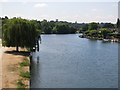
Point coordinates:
pixel 67 61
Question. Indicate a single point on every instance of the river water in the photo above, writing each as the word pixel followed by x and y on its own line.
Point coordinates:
pixel 67 61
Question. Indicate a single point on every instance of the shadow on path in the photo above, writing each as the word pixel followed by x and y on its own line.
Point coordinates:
pixel 22 53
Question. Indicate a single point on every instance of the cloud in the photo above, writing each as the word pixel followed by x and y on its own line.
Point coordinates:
pixel 19 15
pixel 115 5
pixel 40 5
pixel 94 10
pixel 3 0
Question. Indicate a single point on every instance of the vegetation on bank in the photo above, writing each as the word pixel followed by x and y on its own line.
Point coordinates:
pixel 20 84
pixel 25 62
pixel 107 31
pixel 23 73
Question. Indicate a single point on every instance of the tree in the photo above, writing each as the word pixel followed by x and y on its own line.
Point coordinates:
pixel 108 25
pixel 92 33
pixel 85 27
pixel 105 33
pixel 93 26
pixel 46 27
pixel 62 29
pixel 72 29
pixel 6 17
pixel 19 32
pixel 118 25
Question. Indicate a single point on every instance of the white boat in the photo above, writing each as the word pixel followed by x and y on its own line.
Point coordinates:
pixel 106 40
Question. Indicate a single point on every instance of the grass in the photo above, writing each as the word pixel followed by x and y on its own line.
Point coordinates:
pixel 25 74
pixel 21 84
pixel 25 62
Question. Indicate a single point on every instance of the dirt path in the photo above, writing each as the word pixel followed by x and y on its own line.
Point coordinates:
pixel 0 65
pixel 2 49
pixel 10 68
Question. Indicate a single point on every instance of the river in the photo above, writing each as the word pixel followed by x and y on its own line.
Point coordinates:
pixel 67 61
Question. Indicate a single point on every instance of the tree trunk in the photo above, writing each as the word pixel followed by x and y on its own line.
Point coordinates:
pixel 17 48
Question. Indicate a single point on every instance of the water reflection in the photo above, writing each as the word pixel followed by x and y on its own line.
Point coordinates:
pixel 37 59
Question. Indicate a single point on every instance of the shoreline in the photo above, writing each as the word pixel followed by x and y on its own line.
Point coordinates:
pixel 116 40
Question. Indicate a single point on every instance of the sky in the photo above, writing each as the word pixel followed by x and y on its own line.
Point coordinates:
pixel 82 11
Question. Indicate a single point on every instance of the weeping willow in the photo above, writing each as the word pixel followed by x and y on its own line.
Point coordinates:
pixel 19 32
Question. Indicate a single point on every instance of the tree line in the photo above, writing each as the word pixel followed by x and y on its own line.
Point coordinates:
pixel 101 31
pixel 18 32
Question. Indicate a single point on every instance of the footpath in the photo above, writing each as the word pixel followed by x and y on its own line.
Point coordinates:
pixel 0 65
pixel 9 68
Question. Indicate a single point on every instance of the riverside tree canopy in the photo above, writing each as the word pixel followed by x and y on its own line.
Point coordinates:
pixel 19 32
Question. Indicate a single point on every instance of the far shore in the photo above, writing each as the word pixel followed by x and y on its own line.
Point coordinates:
pixel 103 39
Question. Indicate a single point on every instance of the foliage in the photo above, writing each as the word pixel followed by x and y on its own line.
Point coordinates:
pixel 108 25
pixel 118 23
pixel 102 33
pixel 105 32
pixel 93 26
pixel 46 27
pixel 116 35
pixel 56 27
pixel 19 32
pixel 85 27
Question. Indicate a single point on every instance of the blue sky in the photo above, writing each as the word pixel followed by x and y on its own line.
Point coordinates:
pixel 67 10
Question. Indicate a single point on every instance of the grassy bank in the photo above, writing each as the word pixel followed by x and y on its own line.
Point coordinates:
pixel 24 73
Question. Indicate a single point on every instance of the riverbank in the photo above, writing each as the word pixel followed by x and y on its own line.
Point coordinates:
pixel 103 39
pixel 11 69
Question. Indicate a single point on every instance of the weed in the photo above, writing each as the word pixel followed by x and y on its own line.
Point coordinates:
pixel 25 74
pixel 21 84
pixel 25 63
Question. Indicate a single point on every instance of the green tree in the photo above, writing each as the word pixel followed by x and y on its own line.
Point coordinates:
pixel 19 32
pixel 108 25
pixel 46 27
pixel 92 33
pixel 93 26
pixel 85 27
pixel 118 25
pixel 62 29
pixel 105 33
pixel 72 29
